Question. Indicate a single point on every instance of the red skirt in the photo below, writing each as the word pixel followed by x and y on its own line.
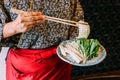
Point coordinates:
pixel 25 64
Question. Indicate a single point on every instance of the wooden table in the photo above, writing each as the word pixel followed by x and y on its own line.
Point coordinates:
pixel 111 75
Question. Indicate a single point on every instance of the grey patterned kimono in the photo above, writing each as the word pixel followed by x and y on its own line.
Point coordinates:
pixel 47 34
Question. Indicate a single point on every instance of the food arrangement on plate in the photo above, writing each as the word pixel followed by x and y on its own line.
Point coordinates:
pixel 82 51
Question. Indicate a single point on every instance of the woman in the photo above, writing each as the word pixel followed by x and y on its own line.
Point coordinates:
pixel 33 40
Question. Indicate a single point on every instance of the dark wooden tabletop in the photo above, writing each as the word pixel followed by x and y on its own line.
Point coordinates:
pixel 110 75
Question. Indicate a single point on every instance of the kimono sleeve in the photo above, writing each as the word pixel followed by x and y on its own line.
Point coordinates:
pixel 3 20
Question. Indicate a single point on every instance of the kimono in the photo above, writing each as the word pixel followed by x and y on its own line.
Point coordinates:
pixel 32 55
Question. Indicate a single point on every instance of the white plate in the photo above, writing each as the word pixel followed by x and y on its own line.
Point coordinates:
pixel 91 62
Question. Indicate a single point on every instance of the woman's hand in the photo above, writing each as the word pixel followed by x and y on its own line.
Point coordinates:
pixel 24 22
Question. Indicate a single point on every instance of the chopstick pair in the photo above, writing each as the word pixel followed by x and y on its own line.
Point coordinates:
pixel 54 19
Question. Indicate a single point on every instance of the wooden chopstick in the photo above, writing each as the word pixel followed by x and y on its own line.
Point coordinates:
pixel 59 20
pixel 64 20
pixel 16 11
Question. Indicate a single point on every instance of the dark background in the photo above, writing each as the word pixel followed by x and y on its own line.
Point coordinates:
pixel 104 19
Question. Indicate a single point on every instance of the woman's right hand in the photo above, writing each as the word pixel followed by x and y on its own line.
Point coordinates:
pixel 24 22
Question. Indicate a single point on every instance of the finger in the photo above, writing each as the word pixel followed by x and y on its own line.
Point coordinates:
pixel 32 18
pixel 31 13
pixel 34 23
pixel 35 18
pixel 28 26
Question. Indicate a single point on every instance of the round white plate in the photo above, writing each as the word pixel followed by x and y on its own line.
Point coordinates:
pixel 91 62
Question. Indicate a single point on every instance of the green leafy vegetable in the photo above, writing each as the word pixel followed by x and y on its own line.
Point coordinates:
pixel 89 47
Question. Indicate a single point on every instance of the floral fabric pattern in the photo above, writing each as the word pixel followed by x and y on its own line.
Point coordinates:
pixel 47 34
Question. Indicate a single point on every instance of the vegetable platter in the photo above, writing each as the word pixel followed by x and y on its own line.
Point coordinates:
pixel 81 52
